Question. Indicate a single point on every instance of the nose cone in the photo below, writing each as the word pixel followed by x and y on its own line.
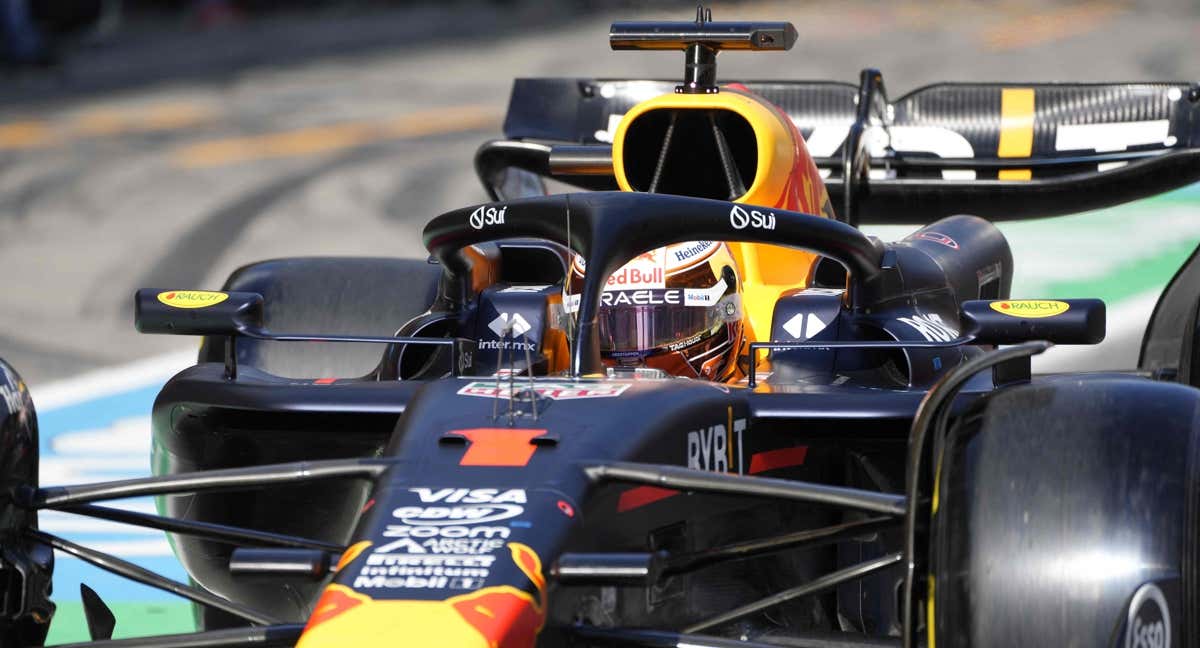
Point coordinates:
pixel 502 616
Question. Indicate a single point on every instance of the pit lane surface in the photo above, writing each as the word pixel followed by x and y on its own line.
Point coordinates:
pixel 173 158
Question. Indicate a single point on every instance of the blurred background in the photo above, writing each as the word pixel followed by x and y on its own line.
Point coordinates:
pixel 167 142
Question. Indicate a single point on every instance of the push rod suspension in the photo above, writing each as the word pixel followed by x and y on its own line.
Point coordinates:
pixel 931 411
pixel 658 639
pixel 643 638
pixel 276 636
pixel 144 576
pixel 195 482
pixel 696 480
pixel 221 532
pixel 815 586
pixel 676 564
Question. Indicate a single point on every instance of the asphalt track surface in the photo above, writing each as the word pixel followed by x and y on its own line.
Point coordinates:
pixel 170 157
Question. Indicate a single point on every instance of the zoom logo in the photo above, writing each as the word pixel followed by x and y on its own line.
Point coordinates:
pixel 487 216
pixel 741 219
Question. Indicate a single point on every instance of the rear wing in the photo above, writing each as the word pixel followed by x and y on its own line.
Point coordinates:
pixel 1004 151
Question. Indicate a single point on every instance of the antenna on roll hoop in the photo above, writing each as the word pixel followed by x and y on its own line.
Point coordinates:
pixel 701 41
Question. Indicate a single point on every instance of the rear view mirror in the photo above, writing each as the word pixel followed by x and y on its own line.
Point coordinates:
pixel 197 312
pixel 1011 321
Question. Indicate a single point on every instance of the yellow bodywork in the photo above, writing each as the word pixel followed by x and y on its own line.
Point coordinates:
pixel 766 270
pixel 491 617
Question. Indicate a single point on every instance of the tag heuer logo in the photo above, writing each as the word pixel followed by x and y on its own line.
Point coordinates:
pixel 519 325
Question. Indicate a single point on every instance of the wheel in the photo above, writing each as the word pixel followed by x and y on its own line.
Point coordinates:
pixel 25 565
pixel 1066 514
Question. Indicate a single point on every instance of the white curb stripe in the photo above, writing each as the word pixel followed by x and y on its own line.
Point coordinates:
pixel 110 380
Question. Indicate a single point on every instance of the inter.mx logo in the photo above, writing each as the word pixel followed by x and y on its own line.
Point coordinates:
pixel 502 323
pixel 741 219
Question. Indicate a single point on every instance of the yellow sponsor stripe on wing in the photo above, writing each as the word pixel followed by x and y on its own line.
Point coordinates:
pixel 1016 129
pixel 930 617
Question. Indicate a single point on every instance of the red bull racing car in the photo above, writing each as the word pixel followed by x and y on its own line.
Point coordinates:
pixel 684 401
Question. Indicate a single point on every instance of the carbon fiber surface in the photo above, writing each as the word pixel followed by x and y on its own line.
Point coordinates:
pixel 1134 116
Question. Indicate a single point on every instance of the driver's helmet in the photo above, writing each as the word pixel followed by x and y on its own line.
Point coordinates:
pixel 677 309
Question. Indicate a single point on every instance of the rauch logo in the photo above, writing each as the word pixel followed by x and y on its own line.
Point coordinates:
pixel 1031 308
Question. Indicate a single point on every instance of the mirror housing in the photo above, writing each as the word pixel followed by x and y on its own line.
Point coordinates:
pixel 1011 321
pixel 197 312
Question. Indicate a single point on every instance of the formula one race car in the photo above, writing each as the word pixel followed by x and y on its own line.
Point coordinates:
pixel 687 403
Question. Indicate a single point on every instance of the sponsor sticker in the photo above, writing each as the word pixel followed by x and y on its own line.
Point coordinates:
pixel 1149 620
pixel 526 288
pixel 571 303
pixel 551 390
pixel 191 298
pixel 484 216
pixel 458 546
pixel 704 296
pixel 937 237
pixel 454 531
pixel 471 495
pixel 823 291
pixel 506 344
pixel 504 321
pixel 683 344
pixel 1031 308
pixel 646 270
pixel 803 326
pixel 456 515
pixel 684 255
pixel 717 448
pixel 448 540
pixel 423 571
pixel 740 219
pixel 931 327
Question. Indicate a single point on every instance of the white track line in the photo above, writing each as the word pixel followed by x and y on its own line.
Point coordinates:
pixel 111 380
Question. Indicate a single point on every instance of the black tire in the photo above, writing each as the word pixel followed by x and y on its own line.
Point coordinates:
pixel 328 295
pixel 24 564
pixel 1059 503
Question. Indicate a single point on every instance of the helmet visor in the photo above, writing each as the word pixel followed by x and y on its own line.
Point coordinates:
pixel 634 323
